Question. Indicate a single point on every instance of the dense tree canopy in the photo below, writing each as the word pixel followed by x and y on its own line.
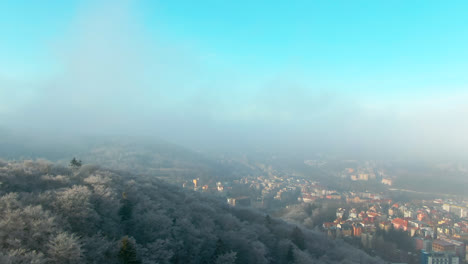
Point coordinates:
pixel 52 214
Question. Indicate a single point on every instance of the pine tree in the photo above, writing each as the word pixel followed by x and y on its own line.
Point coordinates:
pixel 127 253
pixel 268 220
pixel 126 213
pixel 126 209
pixel 290 255
pixel 297 237
pixel 75 164
pixel 219 250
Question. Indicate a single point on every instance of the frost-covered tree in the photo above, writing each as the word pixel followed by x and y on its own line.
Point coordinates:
pixel 226 258
pixel 99 249
pixel 74 204
pixel 64 248
pixel 24 226
pixel 157 252
pixel 23 256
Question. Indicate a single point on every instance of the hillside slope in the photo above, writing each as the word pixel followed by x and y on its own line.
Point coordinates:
pixel 53 214
pixel 149 156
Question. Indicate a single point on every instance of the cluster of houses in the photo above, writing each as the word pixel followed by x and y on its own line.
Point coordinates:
pixel 438 229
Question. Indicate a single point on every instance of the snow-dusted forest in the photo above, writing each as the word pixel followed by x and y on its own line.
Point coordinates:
pixel 87 214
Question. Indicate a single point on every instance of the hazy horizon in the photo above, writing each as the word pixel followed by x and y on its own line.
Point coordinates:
pixel 361 77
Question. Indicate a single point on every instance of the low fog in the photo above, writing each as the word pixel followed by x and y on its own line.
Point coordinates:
pixel 116 77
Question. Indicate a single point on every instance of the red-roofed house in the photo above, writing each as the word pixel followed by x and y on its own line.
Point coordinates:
pixel 399 223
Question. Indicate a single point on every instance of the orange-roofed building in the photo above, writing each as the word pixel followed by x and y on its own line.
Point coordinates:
pixel 357 230
pixel 421 216
pixel 385 225
pixel 399 223
pixel 372 214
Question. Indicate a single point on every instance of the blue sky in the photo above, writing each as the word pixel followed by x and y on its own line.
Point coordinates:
pixel 352 64
pixel 408 44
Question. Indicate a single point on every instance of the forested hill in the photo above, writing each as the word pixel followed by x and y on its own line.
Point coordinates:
pixel 150 156
pixel 53 214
